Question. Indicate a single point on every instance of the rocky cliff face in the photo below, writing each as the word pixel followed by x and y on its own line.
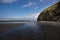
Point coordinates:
pixel 51 13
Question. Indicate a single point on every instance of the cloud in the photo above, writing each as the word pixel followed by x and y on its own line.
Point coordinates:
pixel 41 0
pixel 36 8
pixel 29 4
pixel 8 1
pixel 28 17
pixel 49 0
pixel 35 15
pixel 32 16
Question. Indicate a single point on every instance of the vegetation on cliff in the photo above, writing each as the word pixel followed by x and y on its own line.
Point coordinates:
pixel 51 13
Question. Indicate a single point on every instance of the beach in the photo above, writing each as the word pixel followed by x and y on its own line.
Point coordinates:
pixel 41 30
pixel 9 26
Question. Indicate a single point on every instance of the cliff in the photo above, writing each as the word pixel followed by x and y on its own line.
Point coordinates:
pixel 51 13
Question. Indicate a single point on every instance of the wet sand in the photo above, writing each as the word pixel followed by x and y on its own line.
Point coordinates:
pixel 42 30
pixel 52 29
pixel 9 26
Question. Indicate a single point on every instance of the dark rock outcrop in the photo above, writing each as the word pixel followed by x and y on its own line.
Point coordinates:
pixel 51 13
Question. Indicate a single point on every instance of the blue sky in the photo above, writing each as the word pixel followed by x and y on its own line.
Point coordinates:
pixel 23 9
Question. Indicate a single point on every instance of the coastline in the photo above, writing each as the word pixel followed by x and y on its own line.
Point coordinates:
pixel 51 28
pixel 52 23
pixel 6 27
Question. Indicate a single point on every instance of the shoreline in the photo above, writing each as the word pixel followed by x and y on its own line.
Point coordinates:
pixel 52 29
pixel 6 27
pixel 52 23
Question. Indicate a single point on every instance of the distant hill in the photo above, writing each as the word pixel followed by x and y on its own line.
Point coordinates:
pixel 51 13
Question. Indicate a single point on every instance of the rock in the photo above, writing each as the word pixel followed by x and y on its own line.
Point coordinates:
pixel 51 13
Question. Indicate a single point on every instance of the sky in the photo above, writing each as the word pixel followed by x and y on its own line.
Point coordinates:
pixel 23 9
